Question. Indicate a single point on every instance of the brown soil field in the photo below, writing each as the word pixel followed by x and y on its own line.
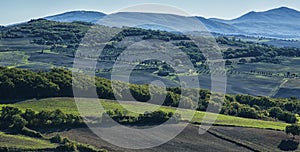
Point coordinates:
pixel 219 138
pixel 258 139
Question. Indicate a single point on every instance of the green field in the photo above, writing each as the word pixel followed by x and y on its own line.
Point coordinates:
pixel 68 105
pixel 24 142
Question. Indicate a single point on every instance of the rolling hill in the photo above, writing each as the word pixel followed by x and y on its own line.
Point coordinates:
pixel 84 16
pixel 152 20
pixel 38 45
pixel 281 22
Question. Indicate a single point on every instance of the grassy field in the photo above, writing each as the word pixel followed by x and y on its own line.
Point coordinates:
pixel 13 58
pixel 24 142
pixel 69 106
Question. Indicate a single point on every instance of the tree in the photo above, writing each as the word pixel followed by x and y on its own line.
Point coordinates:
pixel 163 73
pixel 43 118
pixel 275 112
pixel 56 139
pixel 28 115
pixel 228 62
pixel 288 117
pixel 57 118
pixel 242 61
pixel 248 112
pixel 18 122
pixel 293 129
pixel 8 112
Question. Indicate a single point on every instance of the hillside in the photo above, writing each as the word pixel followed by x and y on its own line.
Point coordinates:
pixel 277 15
pixel 59 83
pixel 87 81
pixel 131 17
pixel 43 44
pixel 221 136
pixel 280 22
pixel 84 16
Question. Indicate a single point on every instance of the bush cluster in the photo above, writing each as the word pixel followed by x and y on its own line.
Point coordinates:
pixel 156 117
pixel 68 145
pixel 11 117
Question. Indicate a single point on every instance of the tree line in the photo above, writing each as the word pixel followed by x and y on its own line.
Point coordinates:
pixel 14 118
pixel 25 84
pixel 155 117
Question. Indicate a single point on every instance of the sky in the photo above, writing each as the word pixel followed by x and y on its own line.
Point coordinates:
pixel 14 11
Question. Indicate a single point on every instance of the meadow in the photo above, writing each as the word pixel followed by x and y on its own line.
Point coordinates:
pixel 68 105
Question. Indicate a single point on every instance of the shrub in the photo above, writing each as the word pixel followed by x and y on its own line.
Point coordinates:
pixel 66 140
pixel 248 112
pixel 147 117
pixel 288 117
pixel 18 122
pixel 275 112
pixel 157 117
pixel 28 115
pixel 56 139
pixel 293 129
pixel 288 145
pixel 8 112
pixel 57 118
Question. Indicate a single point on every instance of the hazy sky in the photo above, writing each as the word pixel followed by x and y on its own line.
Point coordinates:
pixel 13 11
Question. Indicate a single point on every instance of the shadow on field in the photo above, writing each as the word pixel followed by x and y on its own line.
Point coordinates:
pixel 288 145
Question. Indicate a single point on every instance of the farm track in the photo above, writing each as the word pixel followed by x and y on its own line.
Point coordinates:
pixel 276 89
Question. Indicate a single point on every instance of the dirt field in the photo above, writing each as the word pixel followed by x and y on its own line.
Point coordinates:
pixel 189 140
pixel 259 139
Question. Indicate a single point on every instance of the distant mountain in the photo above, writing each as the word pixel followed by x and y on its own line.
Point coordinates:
pixel 219 27
pixel 159 21
pixel 281 22
pixel 164 22
pixel 155 27
pixel 278 15
pixel 84 16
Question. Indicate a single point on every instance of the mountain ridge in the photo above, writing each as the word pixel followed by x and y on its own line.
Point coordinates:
pixel 81 15
pixel 282 22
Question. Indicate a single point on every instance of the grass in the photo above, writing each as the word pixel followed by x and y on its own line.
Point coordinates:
pixel 68 105
pixel 13 58
pixel 34 66
pixel 24 142
pixel 245 122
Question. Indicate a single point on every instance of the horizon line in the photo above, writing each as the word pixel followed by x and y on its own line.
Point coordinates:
pixel 190 15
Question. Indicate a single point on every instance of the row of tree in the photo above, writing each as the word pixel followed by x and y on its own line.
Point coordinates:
pixel 259 52
pixel 11 117
pixel 156 117
pixel 254 111
pixel 17 83
pixel 21 84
